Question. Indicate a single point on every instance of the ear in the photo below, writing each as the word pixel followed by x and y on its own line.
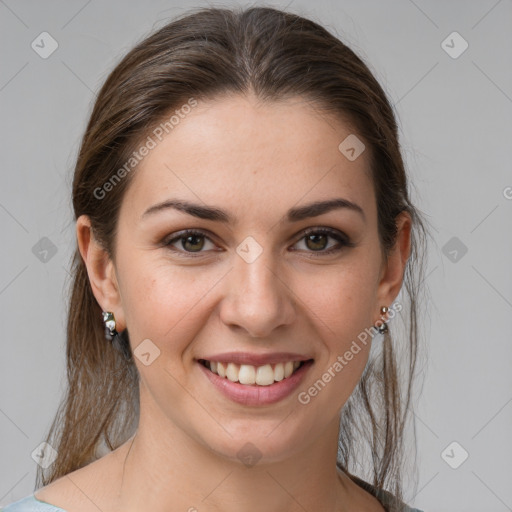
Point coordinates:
pixel 393 270
pixel 101 271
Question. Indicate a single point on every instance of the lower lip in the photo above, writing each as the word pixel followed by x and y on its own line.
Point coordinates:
pixel 255 394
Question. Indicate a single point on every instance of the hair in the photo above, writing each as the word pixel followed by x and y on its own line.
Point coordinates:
pixel 203 54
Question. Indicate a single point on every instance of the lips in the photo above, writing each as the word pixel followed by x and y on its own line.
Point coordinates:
pixel 256 395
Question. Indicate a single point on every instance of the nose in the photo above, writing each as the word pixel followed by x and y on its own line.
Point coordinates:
pixel 258 298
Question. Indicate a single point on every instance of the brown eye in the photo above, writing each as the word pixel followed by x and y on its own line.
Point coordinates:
pixel 190 241
pixel 316 241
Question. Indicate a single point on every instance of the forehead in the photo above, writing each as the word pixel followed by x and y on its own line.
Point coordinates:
pixel 253 156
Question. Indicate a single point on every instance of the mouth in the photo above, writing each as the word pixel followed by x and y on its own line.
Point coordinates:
pixel 251 385
pixel 250 375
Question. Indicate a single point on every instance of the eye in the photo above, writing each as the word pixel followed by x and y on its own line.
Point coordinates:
pixel 192 241
pixel 316 240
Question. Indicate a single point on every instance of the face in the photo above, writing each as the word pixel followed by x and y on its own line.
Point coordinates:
pixel 264 281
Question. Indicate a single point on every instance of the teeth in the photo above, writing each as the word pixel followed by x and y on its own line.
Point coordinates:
pixel 279 372
pixel 232 372
pixel 264 375
pixel 248 374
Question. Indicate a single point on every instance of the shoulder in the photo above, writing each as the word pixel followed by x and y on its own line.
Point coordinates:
pixel 65 494
pixel 390 500
pixel 409 509
pixel 387 500
pixel 30 504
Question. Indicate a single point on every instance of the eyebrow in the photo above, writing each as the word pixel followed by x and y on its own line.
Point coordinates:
pixel 218 215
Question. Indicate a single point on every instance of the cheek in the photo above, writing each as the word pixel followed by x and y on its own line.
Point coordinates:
pixel 162 301
pixel 338 309
pixel 341 301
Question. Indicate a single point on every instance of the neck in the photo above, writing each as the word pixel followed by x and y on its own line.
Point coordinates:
pixel 164 469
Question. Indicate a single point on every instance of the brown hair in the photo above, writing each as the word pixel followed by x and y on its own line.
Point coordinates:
pixel 202 54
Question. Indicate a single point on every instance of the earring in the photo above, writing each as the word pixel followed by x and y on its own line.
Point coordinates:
pixel 383 328
pixel 119 342
pixel 110 324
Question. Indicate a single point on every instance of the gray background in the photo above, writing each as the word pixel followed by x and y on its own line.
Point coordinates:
pixel 455 119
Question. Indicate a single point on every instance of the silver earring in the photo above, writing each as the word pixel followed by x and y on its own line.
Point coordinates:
pixel 110 324
pixel 118 342
pixel 383 328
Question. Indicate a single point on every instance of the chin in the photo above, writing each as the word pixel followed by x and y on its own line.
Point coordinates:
pixel 251 444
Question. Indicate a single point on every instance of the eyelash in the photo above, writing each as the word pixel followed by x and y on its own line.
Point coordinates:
pixel 342 240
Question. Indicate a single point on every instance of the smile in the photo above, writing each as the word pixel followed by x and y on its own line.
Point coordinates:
pixel 255 385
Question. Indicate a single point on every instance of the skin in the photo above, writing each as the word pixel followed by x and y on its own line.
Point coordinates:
pixel 255 161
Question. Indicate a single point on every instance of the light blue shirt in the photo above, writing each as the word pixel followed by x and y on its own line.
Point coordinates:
pixel 32 504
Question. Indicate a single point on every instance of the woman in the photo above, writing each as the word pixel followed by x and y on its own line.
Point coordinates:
pixel 243 231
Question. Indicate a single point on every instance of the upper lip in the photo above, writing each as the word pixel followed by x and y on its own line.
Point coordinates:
pixel 256 359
